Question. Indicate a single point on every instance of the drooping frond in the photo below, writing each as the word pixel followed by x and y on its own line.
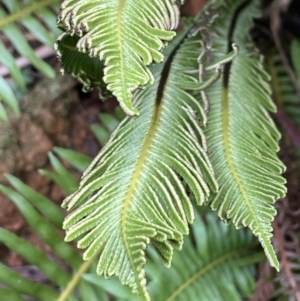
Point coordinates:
pixel 88 70
pixel 242 138
pixel 16 18
pixel 132 194
pixel 127 35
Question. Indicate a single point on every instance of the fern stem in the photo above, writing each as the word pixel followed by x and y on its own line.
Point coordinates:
pixel 76 278
pixel 26 11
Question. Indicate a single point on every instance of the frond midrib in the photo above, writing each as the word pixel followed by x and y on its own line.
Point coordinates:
pixel 138 171
pixel 26 11
pixel 229 159
pixel 202 272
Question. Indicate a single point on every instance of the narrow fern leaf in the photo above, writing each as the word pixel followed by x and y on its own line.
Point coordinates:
pixel 127 35
pixel 132 193
pixel 242 137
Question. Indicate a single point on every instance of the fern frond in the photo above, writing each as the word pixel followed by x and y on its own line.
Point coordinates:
pixel 132 194
pixel 27 15
pixel 127 35
pixel 212 269
pixel 242 137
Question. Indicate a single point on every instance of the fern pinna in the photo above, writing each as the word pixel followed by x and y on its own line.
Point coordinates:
pixel 139 189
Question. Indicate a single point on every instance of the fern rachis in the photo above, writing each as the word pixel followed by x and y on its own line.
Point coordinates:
pixel 242 136
pixel 147 196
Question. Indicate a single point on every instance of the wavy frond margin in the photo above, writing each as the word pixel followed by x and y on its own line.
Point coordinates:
pixel 132 194
pixel 127 34
pixel 242 138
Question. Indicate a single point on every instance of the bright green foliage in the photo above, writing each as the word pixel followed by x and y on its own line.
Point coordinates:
pixel 127 34
pixel 242 138
pixel 61 175
pixel 28 14
pixel 132 193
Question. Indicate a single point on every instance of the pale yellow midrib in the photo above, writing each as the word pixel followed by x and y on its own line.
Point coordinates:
pixel 227 151
pixel 26 11
pixel 137 173
pixel 201 273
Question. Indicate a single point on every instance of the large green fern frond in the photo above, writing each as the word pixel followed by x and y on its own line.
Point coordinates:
pixel 242 138
pixel 127 35
pixel 132 194
pixel 16 18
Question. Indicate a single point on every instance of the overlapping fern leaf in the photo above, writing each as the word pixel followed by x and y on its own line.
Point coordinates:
pixel 132 194
pixel 88 70
pixel 242 138
pixel 16 17
pixel 127 35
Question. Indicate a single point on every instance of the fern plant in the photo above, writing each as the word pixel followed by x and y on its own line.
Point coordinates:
pixel 198 132
pixel 191 273
pixel 16 19
pixel 141 187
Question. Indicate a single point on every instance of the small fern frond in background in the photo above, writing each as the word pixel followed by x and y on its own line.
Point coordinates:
pixel 242 137
pixel 127 35
pixel 108 124
pixel 16 18
pixel 132 193
pixel 215 263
